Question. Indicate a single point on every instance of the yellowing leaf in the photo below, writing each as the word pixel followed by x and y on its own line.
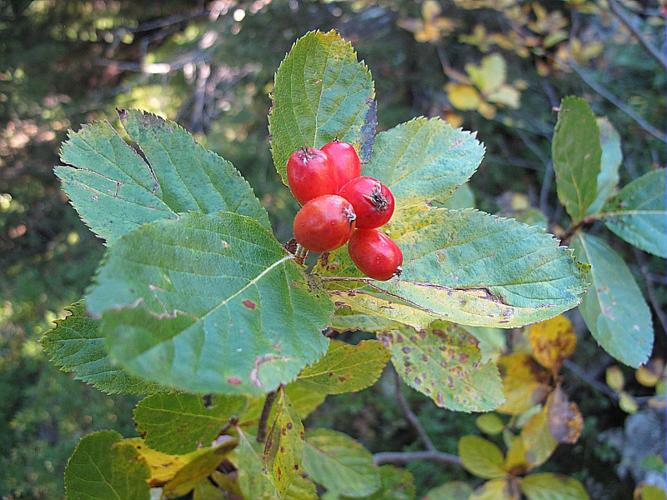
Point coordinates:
pixel 490 423
pixel 489 75
pixel 565 420
pixel 498 489
pixel 462 96
pixel 614 378
pixel 505 95
pixel 552 341
pixel 454 119
pixel 538 442
pixel 627 403
pixel 515 461
pixel 163 467
pixel 650 374
pixel 524 381
pixel 487 110
pixel 481 457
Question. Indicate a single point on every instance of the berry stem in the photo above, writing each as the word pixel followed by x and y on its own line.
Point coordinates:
pixel 300 254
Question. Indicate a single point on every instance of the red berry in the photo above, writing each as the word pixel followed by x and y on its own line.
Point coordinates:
pixel 375 254
pixel 344 160
pixel 310 174
pixel 324 223
pixel 372 201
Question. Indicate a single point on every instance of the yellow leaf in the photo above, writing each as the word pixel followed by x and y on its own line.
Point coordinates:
pixel 627 403
pixel 614 378
pixel 515 461
pixel 490 423
pixel 487 110
pixel 649 492
pixel 462 96
pixel 430 10
pixel 649 375
pixel 552 341
pixel 490 74
pixel 163 467
pixel 525 383
pixel 481 457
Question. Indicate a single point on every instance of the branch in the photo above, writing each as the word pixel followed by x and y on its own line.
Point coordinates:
pixel 264 418
pixel 403 457
pixel 600 90
pixel 622 16
pixel 410 415
pixel 589 219
pixel 598 386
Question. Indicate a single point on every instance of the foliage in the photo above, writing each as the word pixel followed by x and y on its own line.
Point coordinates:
pixel 217 71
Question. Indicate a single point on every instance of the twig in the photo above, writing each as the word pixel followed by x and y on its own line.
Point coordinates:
pixel 622 16
pixel 347 278
pixel 410 415
pixel 402 457
pixel 589 219
pixel 598 386
pixel 650 292
pixel 545 189
pixel 264 418
pixel 599 89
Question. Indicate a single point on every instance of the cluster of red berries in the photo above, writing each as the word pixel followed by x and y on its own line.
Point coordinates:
pixel 340 205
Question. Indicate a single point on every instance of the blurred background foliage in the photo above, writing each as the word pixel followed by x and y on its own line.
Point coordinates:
pixel 498 67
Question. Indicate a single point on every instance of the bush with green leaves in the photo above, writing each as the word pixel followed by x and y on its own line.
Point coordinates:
pixel 199 307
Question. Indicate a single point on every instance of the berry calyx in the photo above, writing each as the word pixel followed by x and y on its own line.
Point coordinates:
pixel 375 254
pixel 373 202
pixel 344 160
pixel 310 174
pixel 324 223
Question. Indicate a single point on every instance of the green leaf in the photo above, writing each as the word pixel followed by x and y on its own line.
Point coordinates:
pixel 454 490
pixel 576 154
pixel 638 213
pixel 181 423
pixel 76 345
pixel 203 304
pixel 115 189
pixel 548 486
pixel 284 445
pixel 339 463
pixel 481 457
pixel 490 423
pixel 610 161
pixel 254 480
pixel 463 197
pixel 301 489
pixel 303 399
pixel 103 467
pixel 397 484
pixel 614 309
pixel 321 92
pixel 346 368
pixel 199 468
pixel 444 362
pixel 466 267
pixel 424 160
pixel 205 490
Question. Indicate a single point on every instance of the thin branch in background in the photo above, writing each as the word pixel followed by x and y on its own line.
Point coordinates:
pixel 650 292
pixel 404 457
pixel 602 91
pixel 545 189
pixel 623 17
pixel 590 380
pixel 410 415
pixel 264 417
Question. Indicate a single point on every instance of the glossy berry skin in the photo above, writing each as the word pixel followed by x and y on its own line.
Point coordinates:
pixel 372 201
pixel 310 174
pixel 344 160
pixel 375 254
pixel 324 223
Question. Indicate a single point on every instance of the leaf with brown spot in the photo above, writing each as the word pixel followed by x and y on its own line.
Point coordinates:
pixel 525 383
pixel 346 367
pixel 444 362
pixel 284 445
pixel 537 440
pixel 565 420
pixel 552 341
